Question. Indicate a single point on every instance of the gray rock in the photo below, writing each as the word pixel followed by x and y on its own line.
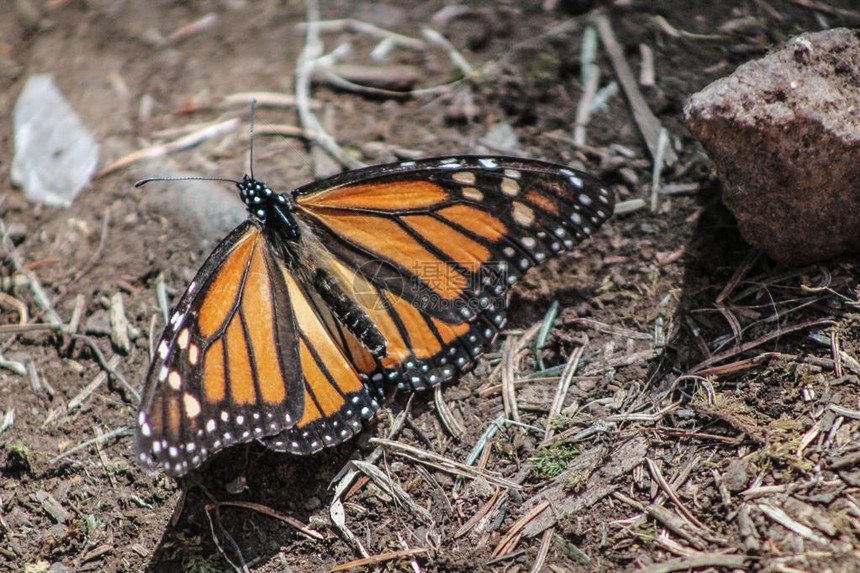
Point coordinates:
pixel 784 134
pixel 55 155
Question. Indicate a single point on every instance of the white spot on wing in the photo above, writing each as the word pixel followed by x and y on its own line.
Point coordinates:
pixel 510 187
pixel 473 193
pixel 464 177
pixel 182 339
pixel 523 214
pixel 192 406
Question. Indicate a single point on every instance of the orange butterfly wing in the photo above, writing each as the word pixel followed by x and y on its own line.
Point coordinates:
pixel 430 249
pixel 244 357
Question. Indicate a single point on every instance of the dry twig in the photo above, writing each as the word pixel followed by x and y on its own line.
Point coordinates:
pixel 647 122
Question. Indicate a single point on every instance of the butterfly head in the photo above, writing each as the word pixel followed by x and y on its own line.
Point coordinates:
pixel 273 210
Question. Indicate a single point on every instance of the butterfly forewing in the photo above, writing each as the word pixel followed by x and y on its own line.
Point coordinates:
pixel 218 376
pixel 435 246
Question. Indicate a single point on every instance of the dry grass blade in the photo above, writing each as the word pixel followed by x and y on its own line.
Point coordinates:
pixel 19 306
pixel 842 411
pixel 479 515
pixel 670 30
pixel 443 463
pixel 661 481
pixel 782 518
pixel 608 329
pixel 205 23
pixel 758 342
pixel 623 360
pixel 836 353
pixel 510 366
pixel 591 81
pixel 392 488
pixel 509 394
pixel 543 332
pixel 120 327
pixel 96 383
pixel 15 366
pixel 647 75
pixel 757 360
pixel 242 566
pixel 669 519
pixel 543 551
pixel 368 29
pixel 195 138
pixel 377 559
pixel 38 382
pixel 283 130
pixel 8 420
pixel 388 81
pixel 740 273
pixel 338 518
pixel 657 169
pixel 510 540
pixel 447 418
pixel 266 510
pixel 99 440
pixel 345 478
pixel 107 366
pixel 263 99
pixel 849 362
pixel 75 321
pixel 455 56
pixel 42 298
pixel 563 387
pixel 826 8
pixel 305 69
pixel 700 561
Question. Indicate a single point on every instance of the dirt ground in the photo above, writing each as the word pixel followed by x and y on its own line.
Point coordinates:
pixel 712 421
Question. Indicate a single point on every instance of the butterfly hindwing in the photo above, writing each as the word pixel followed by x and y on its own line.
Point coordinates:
pixel 336 393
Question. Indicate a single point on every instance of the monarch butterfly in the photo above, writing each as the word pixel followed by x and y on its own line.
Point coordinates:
pixel 396 273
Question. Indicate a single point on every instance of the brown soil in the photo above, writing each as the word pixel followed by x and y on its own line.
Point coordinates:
pixel 760 452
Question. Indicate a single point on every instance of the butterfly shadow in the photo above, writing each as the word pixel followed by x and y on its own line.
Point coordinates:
pixel 230 507
pixel 712 257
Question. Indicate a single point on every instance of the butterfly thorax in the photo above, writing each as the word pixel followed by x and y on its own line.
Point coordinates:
pixel 273 210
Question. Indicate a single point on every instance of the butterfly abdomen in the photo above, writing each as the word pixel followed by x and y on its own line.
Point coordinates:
pixel 349 313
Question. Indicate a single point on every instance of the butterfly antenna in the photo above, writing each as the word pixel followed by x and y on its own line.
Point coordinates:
pixel 151 179
pixel 253 113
